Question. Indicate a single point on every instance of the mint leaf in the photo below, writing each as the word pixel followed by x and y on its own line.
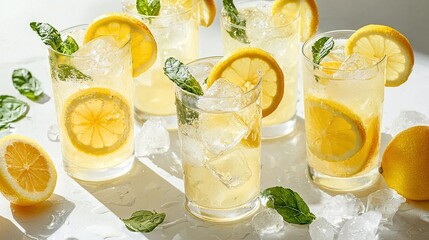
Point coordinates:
pixel 144 221
pixel 321 48
pixel 148 7
pixel 26 84
pixel 69 73
pixel 11 110
pixel 51 37
pixel 235 18
pixel 177 72
pixel 288 204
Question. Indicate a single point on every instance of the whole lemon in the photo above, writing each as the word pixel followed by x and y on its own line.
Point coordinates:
pixel 405 163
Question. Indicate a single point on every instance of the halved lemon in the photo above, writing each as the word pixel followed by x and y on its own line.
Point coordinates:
pixel 377 41
pixel 244 68
pixel 97 120
pixel 309 14
pixel 122 26
pixel 27 173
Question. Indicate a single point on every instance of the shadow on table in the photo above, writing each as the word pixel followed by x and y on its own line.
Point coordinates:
pixel 8 230
pixel 42 220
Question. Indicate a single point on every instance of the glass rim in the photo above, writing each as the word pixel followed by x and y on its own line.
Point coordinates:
pixel 84 27
pixel 225 20
pixel 180 13
pixel 219 58
pixel 318 66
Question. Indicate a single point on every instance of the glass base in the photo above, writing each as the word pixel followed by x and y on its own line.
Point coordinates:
pixel 343 184
pixel 141 117
pixel 99 174
pixel 279 130
pixel 223 215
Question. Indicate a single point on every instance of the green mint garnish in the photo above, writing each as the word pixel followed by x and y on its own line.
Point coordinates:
pixel 148 7
pixel 288 204
pixel 177 72
pixel 11 110
pixel 51 37
pixel 321 48
pixel 26 83
pixel 235 18
pixel 144 221
pixel 67 72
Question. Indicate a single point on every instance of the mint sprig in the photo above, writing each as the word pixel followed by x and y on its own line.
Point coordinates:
pixel 69 73
pixel 11 110
pixel 235 18
pixel 26 83
pixel 148 7
pixel 288 204
pixel 177 72
pixel 321 48
pixel 144 221
pixel 51 37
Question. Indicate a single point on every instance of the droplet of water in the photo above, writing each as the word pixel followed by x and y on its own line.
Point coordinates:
pixel 105 232
pixel 425 217
pixel 170 204
pixel 100 210
pixel 173 223
pixel 53 133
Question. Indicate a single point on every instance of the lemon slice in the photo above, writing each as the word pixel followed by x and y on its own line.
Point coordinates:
pixel 97 120
pixel 377 41
pixel 27 173
pixel 143 45
pixel 309 14
pixel 334 133
pixel 244 68
pixel 206 12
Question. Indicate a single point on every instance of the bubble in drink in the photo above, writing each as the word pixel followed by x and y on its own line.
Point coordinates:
pixel 152 138
pixel 267 221
pixel 385 201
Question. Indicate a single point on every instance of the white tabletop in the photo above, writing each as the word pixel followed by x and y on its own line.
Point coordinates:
pixel 81 210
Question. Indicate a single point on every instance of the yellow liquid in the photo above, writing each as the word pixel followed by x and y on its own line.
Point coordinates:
pixel 176 35
pixel 280 41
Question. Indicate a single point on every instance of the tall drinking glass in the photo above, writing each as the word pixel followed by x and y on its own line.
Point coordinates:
pixel 93 91
pixel 175 30
pixel 220 146
pixel 343 101
pixel 278 35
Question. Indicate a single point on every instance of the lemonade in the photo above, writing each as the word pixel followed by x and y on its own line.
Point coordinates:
pixel 93 91
pixel 176 33
pixel 277 34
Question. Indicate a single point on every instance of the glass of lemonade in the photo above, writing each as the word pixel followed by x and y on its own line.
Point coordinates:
pixel 220 153
pixel 175 30
pixel 93 91
pixel 278 35
pixel 343 101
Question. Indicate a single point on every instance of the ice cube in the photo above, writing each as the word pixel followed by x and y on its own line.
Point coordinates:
pixel 97 57
pixel 222 96
pixel 320 229
pixel 153 138
pixel 53 133
pixel 342 207
pixel 231 169
pixel 356 67
pixel 258 22
pixel 200 71
pixel 221 132
pixel 337 54
pixel 267 221
pixel 193 151
pixel 385 201
pixel 407 119
pixel 363 227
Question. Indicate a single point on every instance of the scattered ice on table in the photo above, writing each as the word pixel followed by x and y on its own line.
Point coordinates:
pixel 53 133
pixel 231 169
pixel 267 221
pixel 321 229
pixel 363 227
pixel 222 96
pixel 407 119
pixel 221 132
pixel 342 207
pixel 153 138
pixel 99 57
pixel 385 201
pixel 356 67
